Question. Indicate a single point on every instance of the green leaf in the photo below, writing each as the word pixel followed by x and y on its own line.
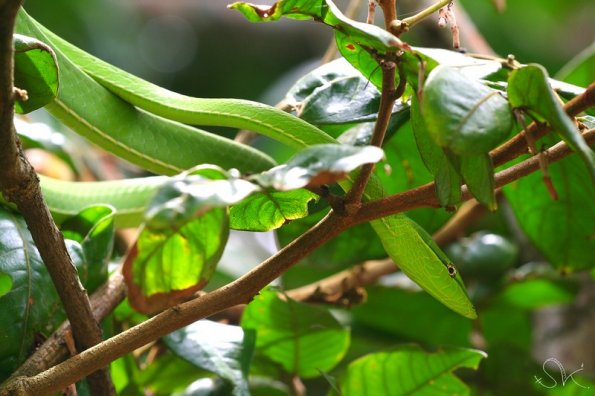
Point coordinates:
pixel 447 179
pixel 186 197
pixel 344 100
pixel 462 114
pixel 5 283
pixel 31 306
pixel 538 293
pixel 528 89
pixel 324 11
pixel 413 250
pixel 318 165
pixel 581 69
pixel 437 325
pixel 166 266
pixel 269 210
pixel 409 370
pixel 478 173
pixel 306 340
pixel 35 71
pixel 562 230
pixel 221 349
pixel 94 229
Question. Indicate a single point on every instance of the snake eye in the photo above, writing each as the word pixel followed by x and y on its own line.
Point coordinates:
pixel 452 270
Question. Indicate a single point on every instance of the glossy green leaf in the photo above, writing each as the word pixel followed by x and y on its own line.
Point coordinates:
pixel 528 89
pixel 581 69
pixel 478 173
pixel 186 197
pixel 344 100
pixel 94 229
pixel 167 375
pixel 166 266
pixel 31 306
pixel 562 230
pixel 447 179
pixel 224 350
pixel 409 370
pixel 386 307
pixel 5 283
pixel 35 71
pixel 269 210
pixel 462 114
pixel 304 339
pixel 317 165
pixel 326 12
pixel 412 249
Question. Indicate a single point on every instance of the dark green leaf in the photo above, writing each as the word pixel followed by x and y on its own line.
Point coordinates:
pixel 31 307
pixel 528 89
pixel 478 173
pixel 344 100
pixel 462 114
pixel 318 165
pixel 94 229
pixel 326 12
pixel 35 71
pixel 221 349
pixel 409 370
pixel 447 179
pixel 269 210
pixel 306 340
pixel 386 309
pixel 166 266
pixel 562 230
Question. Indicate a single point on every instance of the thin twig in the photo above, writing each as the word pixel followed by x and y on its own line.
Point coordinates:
pixel 397 27
pixel 19 184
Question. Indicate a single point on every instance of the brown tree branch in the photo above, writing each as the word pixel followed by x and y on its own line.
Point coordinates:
pixel 19 184
pixel 425 196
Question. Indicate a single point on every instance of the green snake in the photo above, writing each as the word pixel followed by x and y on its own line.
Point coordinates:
pixel 144 124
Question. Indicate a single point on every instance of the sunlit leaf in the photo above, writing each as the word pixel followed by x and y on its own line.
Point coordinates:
pixel 528 89
pixel 269 210
pixel 538 293
pixel 462 114
pixel 317 165
pixel 5 283
pixel 221 349
pixel 326 12
pixel 166 266
pixel 35 71
pixel 410 370
pixel 306 340
pixel 94 229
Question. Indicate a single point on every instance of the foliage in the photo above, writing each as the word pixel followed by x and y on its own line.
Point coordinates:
pixel 417 326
